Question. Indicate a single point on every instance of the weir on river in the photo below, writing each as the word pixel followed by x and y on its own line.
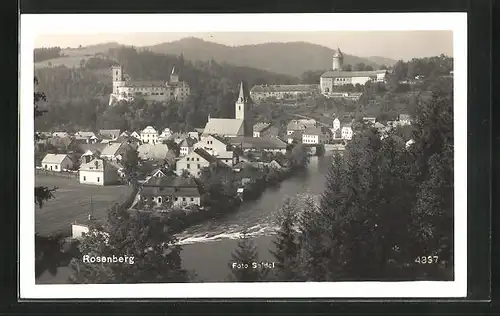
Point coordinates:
pixel 207 247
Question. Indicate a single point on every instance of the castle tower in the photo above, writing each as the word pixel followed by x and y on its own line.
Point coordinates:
pixel 174 76
pixel 338 60
pixel 240 105
pixel 117 73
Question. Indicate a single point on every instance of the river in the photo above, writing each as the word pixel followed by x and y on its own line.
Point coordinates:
pixel 207 247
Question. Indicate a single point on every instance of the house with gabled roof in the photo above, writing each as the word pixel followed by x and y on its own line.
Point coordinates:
pixel 170 190
pixel 114 151
pixel 57 162
pixel 194 162
pixel 109 133
pixel 99 172
pixel 186 146
pixel 314 135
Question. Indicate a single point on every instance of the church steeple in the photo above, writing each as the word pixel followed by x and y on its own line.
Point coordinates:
pixel 240 104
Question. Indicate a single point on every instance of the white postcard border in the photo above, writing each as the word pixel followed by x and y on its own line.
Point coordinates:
pixel 31 25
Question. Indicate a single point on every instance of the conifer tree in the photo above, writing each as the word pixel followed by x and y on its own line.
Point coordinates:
pixel 286 243
pixel 243 259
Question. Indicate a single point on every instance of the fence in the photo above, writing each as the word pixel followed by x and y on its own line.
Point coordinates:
pixel 64 174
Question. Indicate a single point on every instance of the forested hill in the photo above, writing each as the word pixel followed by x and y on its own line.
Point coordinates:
pixel 293 58
pixel 77 97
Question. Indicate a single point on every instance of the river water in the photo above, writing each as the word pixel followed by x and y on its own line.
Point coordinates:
pixel 207 247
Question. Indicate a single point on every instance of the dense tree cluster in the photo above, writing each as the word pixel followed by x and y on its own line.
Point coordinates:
pixel 428 67
pixel 46 53
pixel 384 205
pixel 141 236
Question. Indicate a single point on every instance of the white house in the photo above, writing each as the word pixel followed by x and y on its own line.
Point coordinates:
pixel 186 146
pixel 57 162
pixel 213 145
pixel 149 135
pixel 99 172
pixel 347 132
pixel 314 135
pixel 114 151
pixel 194 162
pixel 164 190
pixel 135 135
pixel 336 124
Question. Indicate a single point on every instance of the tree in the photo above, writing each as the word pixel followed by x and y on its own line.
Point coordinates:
pixel 347 68
pixel 244 266
pixel 130 162
pixel 150 247
pixel 286 243
pixel 368 68
pixel 298 157
pixel 359 67
pixel 382 67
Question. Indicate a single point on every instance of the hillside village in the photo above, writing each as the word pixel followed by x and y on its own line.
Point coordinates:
pixel 169 164
pixel 155 152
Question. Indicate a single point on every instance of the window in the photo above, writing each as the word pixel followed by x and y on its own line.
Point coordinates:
pixel 159 199
pixel 192 199
pixel 188 166
pixel 183 199
pixel 187 158
pixel 98 179
pixel 176 198
pixel 84 178
pixel 197 159
pixel 55 167
pixel 199 166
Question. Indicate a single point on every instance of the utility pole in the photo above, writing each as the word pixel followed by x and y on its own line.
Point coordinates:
pixel 91 215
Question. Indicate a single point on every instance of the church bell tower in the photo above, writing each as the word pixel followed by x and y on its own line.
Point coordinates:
pixel 240 105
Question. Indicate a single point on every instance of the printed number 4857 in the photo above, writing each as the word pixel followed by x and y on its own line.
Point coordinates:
pixel 426 259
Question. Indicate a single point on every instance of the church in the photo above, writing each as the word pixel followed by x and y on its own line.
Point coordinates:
pixel 128 90
pixel 226 127
pixel 337 77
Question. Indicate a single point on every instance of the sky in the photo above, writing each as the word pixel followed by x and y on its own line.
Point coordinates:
pixel 391 44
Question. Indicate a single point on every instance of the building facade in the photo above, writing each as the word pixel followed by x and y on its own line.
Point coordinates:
pixel 149 135
pixel 337 77
pixel 128 90
pixel 258 93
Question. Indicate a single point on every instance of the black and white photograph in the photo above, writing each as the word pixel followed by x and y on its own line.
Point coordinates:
pixel 243 155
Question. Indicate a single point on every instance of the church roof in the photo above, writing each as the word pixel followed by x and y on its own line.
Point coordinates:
pixel 223 126
pixel 350 74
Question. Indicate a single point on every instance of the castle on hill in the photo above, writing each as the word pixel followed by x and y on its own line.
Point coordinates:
pixel 128 90
pixel 337 77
